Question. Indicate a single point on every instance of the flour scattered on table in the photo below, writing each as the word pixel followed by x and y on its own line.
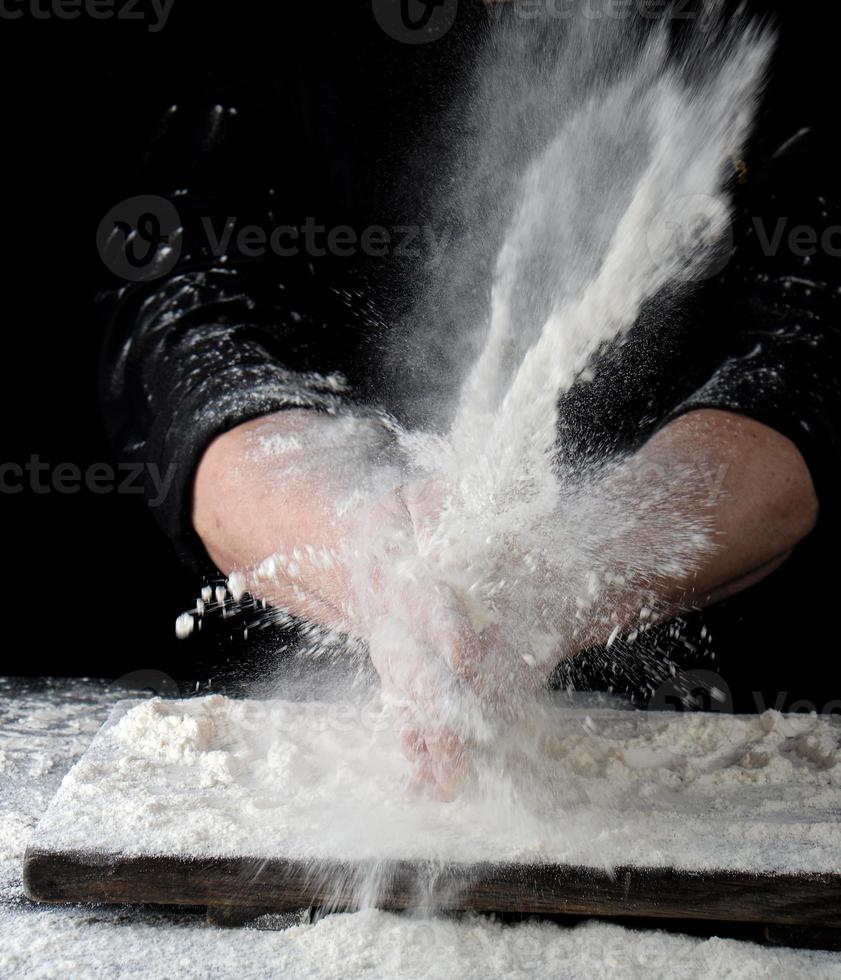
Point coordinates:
pixel 91 942
pixel 373 944
pixel 317 780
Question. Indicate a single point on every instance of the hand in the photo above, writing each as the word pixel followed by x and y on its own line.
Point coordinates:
pixel 308 509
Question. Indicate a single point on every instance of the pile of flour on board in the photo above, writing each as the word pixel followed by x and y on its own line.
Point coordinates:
pixel 216 776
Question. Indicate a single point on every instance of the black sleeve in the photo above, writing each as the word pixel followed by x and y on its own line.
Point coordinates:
pixel 212 334
pixel 309 120
pixel 780 306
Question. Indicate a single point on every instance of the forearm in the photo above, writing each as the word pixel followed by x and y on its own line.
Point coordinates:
pixel 761 504
pixel 745 483
pixel 282 500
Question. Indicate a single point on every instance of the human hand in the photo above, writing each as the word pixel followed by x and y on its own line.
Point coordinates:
pixel 307 509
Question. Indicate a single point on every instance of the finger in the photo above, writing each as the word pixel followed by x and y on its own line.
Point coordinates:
pixel 458 642
pixel 448 759
pixel 413 744
pixel 425 783
pixel 444 744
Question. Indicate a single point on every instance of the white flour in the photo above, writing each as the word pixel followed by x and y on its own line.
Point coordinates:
pixel 379 946
pixel 318 780
pixel 88 942
pixel 624 145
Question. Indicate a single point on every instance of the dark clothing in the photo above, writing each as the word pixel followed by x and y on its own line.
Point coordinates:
pixel 341 125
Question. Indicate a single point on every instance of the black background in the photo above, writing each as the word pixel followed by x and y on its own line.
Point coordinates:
pixel 91 586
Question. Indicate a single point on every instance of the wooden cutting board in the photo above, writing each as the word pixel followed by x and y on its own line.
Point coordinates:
pixel 56 872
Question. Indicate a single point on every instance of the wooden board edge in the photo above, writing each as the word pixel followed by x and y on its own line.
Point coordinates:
pixel 285 885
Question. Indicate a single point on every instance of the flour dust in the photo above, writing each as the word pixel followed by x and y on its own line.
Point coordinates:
pixel 482 559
